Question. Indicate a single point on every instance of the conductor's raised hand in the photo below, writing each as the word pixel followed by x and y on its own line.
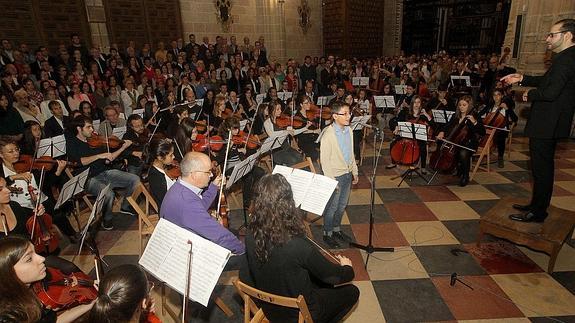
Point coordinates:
pixel 512 78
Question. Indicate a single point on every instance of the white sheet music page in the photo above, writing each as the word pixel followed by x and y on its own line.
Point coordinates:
pixel 300 180
pixel 284 170
pixel 166 258
pixel 318 194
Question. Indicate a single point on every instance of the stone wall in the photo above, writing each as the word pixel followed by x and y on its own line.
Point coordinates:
pixel 276 20
pixel 538 17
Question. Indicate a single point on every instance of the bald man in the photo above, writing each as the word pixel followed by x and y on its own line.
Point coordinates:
pixel 186 203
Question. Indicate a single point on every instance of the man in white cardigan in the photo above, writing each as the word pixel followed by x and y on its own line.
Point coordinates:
pixel 338 162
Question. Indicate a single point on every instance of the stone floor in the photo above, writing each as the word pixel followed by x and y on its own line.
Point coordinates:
pixel 424 223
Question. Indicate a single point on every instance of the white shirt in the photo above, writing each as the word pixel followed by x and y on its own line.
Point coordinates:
pixel 24 198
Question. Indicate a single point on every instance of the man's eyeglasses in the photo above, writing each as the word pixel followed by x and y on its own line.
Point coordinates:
pixel 553 34
pixel 343 114
pixel 209 172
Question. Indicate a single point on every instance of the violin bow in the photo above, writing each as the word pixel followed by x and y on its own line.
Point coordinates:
pixel 224 169
pixel 327 252
pixel 37 204
pixel 107 141
pixel 4 223
pixel 178 146
pixel 249 134
pixel 188 282
pixel 154 132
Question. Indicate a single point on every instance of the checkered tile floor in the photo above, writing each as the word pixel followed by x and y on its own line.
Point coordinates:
pixel 424 223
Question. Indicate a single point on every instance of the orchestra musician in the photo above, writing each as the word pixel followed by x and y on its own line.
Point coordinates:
pixel 185 136
pixel 464 120
pixel 160 157
pixel 306 140
pixel 20 267
pixel 123 297
pixel 282 261
pixel 338 162
pixel 112 121
pixel 286 155
pixel 136 132
pixel 180 113
pixel 497 105
pixel 100 174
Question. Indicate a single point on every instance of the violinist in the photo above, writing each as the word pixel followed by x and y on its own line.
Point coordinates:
pixel 180 113
pixel 249 103
pixel 306 140
pixel 497 105
pixel 26 183
pixel 192 194
pixel 137 134
pixel 282 261
pixel 112 121
pixel 21 267
pixel 404 100
pixel 236 154
pixel 440 100
pixel 56 124
pixel 464 118
pixel 100 174
pixel 217 115
pixel 235 106
pixel 152 117
pixel 13 216
pixel 286 155
pixel 339 94
pixel 185 136
pixel 194 110
pixel 160 157
pixel 123 297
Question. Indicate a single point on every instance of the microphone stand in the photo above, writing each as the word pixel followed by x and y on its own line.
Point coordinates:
pixel 369 248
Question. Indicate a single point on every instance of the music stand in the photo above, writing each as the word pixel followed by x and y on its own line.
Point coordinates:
pixel 360 81
pixel 284 96
pixel 386 103
pixel 119 131
pixel 260 98
pixel 71 188
pixel 272 143
pixel 96 209
pixel 460 81
pixel 413 131
pixel 400 89
pixel 139 112
pixel 359 122
pixel 52 147
pixel 442 116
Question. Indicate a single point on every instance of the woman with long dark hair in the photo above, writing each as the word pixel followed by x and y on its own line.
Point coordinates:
pixel 160 156
pixel 20 267
pixel 283 261
pixel 185 135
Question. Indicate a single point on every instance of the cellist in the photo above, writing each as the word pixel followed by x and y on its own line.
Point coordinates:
pixel 464 120
pixel 497 105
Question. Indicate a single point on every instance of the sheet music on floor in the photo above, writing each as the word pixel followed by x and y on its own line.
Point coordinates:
pixel 442 116
pixel 52 147
pixel 119 132
pixel 311 192
pixel 359 122
pixel 166 256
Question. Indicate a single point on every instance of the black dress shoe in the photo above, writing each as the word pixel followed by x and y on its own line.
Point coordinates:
pixel 330 241
pixel 528 217
pixel 522 207
pixel 341 236
pixel 464 181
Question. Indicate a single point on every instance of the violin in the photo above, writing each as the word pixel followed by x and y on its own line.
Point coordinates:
pixel 61 291
pixel 99 141
pixel 173 170
pixel 316 112
pixel 42 233
pixel 202 142
pixel 242 138
pixel 28 162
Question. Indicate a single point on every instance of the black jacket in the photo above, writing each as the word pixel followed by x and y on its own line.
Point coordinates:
pixel 553 101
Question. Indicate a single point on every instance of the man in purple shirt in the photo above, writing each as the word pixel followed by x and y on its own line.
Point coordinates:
pixel 186 203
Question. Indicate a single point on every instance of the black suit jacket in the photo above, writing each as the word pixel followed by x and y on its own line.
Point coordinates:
pixel 553 101
pixel 52 127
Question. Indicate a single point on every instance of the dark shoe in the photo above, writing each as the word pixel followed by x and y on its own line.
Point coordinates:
pixel 528 217
pixel 424 171
pixel 107 225
pixel 128 210
pixel 331 242
pixel 341 236
pixel 522 207
pixel 390 166
pixel 500 163
pixel 464 181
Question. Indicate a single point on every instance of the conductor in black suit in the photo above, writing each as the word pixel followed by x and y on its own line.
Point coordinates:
pixel 552 106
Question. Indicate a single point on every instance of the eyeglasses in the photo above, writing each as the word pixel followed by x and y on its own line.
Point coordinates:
pixel 553 34
pixel 343 114
pixel 209 172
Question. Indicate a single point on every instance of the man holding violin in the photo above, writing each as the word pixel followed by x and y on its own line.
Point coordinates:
pixel 98 160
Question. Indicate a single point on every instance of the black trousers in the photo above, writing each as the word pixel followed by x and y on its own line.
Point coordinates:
pixel 542 153
pixel 464 157
pixel 336 303
pixel 357 137
pixel 501 141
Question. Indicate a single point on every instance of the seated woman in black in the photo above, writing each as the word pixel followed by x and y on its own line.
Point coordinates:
pixel 282 261
pixel 20 267
pixel 464 117
pixel 306 140
pixel 161 155
pixel 124 296
pixel 497 104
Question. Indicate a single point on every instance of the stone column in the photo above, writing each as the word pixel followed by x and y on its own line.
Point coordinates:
pixel 392 27
pixel 97 20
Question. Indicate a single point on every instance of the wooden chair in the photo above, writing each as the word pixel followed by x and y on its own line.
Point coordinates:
pixel 483 152
pixel 147 220
pixel 509 139
pixel 250 308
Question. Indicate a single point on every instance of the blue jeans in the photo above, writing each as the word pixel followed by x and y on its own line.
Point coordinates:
pixel 336 205
pixel 116 179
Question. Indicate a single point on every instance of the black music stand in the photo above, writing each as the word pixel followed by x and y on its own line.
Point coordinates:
pixel 413 131
pixel 369 248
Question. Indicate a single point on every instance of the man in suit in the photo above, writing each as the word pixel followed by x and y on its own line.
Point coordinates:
pixel 553 104
pixel 186 203
pixel 56 124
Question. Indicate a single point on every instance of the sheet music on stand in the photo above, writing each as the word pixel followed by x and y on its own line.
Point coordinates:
pixel 243 124
pixel 442 116
pixel 241 169
pixel 52 147
pixel 96 125
pixel 119 131
pixel 96 209
pixel 400 89
pixel 166 255
pixel 139 112
pixel 284 96
pixel 273 142
pixel 311 192
pixel 122 116
pixel 460 81
pixel 359 122
pixel 360 81
pixel 260 98
pixel 408 130
pixel 324 100
pixel 200 102
pixel 72 187
pixel 384 101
